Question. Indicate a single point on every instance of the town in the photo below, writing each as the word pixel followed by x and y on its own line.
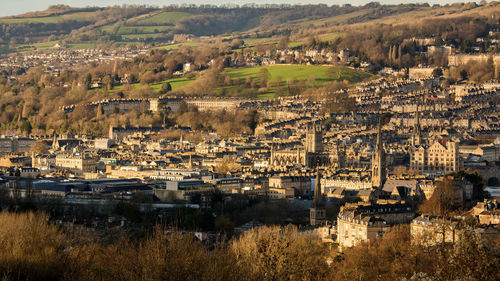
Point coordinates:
pixel 345 149
pixel 406 138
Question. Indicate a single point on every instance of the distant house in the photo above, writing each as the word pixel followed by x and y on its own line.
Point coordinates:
pixel 420 72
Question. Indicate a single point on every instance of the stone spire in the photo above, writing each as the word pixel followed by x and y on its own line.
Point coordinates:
pixel 378 160
pixel 318 199
pixel 317 213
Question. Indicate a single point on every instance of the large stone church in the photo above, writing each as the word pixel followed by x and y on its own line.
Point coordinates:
pixel 310 154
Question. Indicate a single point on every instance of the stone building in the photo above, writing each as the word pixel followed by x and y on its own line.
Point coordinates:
pixel 431 230
pixel 360 223
pixel 311 154
pixel 299 184
pixel 420 72
pixel 10 145
pixel 487 212
pixel 440 157
pixel 77 163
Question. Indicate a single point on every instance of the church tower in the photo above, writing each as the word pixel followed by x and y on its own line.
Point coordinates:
pixel 317 213
pixel 314 139
pixel 378 160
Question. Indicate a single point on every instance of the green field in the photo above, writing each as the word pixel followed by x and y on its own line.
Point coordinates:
pixel 165 18
pixel 330 37
pixel 303 72
pixel 176 83
pixel 320 73
pixel 81 16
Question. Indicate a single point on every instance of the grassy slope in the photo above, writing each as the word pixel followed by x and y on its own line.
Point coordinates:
pixel 164 18
pixel 297 72
pixel 79 16
pixel 176 83
pixel 152 25
pixel 302 72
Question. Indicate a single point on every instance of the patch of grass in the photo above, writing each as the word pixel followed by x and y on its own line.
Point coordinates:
pixel 267 96
pixel 330 37
pixel 321 73
pixel 80 16
pixel 295 44
pixel 51 19
pixel 176 83
pixel 162 18
pixel 303 72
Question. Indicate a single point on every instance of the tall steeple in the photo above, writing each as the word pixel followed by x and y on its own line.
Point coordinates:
pixel 318 199
pixel 317 213
pixel 378 160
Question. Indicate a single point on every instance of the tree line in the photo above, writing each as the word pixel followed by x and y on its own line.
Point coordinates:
pixel 33 248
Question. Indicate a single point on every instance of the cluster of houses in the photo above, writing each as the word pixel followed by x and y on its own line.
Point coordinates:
pixel 379 162
pixel 57 59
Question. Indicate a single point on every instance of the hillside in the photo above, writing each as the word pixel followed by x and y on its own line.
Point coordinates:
pixel 133 24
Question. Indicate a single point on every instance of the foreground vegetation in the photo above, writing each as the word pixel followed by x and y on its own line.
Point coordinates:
pixel 33 249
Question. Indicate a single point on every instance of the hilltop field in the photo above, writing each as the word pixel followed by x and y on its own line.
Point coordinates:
pixel 279 76
pixel 321 73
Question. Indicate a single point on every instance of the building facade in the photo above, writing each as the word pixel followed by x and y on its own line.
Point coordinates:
pixel 440 157
pixel 356 224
